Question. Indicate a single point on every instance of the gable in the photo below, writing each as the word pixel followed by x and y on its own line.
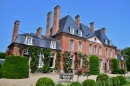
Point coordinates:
pixel 95 39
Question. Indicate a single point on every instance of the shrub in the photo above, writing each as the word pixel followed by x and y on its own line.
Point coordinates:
pixel 115 81
pixel 94 65
pixel 59 84
pixel 0 72
pixel 121 71
pixel 115 66
pixel 2 55
pixel 15 67
pixel 89 82
pixel 75 84
pixel 122 80
pixel 103 80
pixel 45 81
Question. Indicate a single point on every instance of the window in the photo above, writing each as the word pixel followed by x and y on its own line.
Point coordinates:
pixel 28 40
pixel 80 47
pixel 105 40
pixel 100 51
pixel 26 52
pixel 52 60
pixel 110 53
pixel 95 49
pixel 53 45
pixel 80 33
pixel 71 60
pixel 40 62
pixel 80 62
pixel 71 30
pixel 90 48
pixel 71 44
pixel 106 53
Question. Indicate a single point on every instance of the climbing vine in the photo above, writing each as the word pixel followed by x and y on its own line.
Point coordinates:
pixel 58 59
pixel 67 62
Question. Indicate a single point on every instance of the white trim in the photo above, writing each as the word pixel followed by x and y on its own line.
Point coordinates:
pixel 71 44
pixel 28 40
pixel 40 61
pixel 71 29
pixel 80 47
pixel 93 40
pixel 53 45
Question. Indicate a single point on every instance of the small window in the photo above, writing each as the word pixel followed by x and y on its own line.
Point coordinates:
pixel 71 30
pixel 25 52
pixel 28 40
pixel 80 47
pixel 95 49
pixel 71 44
pixel 100 51
pixel 40 60
pixel 53 45
pixel 110 53
pixel 95 39
pixel 90 48
pixel 80 33
pixel 106 53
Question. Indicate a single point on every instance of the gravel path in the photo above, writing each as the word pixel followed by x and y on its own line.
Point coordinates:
pixel 34 77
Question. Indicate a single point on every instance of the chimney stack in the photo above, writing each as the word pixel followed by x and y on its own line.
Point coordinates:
pixel 77 20
pixel 56 20
pixel 48 23
pixel 104 30
pixel 15 31
pixel 118 51
pixel 92 26
pixel 39 31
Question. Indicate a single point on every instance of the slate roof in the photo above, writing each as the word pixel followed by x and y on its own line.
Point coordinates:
pixel 120 57
pixel 1 61
pixel 42 41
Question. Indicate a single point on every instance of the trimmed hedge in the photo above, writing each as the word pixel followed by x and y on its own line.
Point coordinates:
pixel 15 67
pixel 115 66
pixel 45 81
pixel 89 82
pixel 75 84
pixel 103 80
pixel 94 65
pixel 0 72
pixel 122 80
pixel 115 81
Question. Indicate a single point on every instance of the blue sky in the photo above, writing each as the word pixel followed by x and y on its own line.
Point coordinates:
pixel 114 15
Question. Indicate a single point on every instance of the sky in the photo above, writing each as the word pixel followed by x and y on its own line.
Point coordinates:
pixel 114 15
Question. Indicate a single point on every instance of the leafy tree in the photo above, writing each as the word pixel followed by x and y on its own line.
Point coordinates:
pixel 2 55
pixel 126 54
pixel 115 66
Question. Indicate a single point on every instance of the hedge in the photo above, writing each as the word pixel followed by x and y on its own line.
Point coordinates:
pixel 89 82
pixel 15 67
pixel 94 65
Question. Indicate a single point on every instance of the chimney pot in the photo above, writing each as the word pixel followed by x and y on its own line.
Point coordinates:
pixel 92 26
pixel 39 31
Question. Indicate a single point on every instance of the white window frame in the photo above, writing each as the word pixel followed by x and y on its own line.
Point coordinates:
pixel 106 52
pixel 71 30
pixel 40 61
pixel 80 33
pixel 25 51
pixel 71 44
pixel 90 48
pixel 53 45
pixel 100 50
pixel 28 40
pixel 53 56
pixel 95 49
pixel 80 60
pixel 110 53
pixel 80 47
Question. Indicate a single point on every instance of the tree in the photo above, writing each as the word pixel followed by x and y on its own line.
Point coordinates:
pixel 2 55
pixel 126 54
pixel 115 66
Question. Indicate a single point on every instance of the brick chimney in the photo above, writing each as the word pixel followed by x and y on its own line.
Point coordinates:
pixel 118 51
pixel 77 20
pixel 15 31
pixel 39 31
pixel 104 30
pixel 92 26
pixel 48 23
pixel 56 20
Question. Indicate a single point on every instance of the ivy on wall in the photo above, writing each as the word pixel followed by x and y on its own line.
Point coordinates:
pixel 57 62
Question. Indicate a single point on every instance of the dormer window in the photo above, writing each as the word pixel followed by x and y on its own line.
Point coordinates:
pixel 28 40
pixel 80 33
pixel 105 40
pixel 53 45
pixel 71 30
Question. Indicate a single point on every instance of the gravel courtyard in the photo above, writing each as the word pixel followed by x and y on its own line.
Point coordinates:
pixel 34 77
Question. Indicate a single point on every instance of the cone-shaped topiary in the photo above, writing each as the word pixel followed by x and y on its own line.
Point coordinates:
pixel 94 65
pixel 115 66
pixel 45 81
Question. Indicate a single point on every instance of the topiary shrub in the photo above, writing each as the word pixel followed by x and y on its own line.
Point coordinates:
pixel 45 81
pixel 115 66
pixel 122 71
pixel 59 84
pixel 122 80
pixel 89 82
pixel 94 65
pixel 103 80
pixel 75 84
pixel 115 81
pixel 15 67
